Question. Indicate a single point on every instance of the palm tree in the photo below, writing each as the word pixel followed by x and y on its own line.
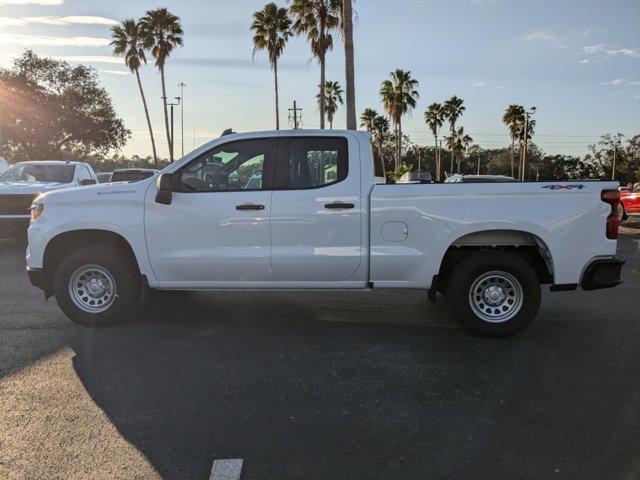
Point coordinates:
pixel 530 125
pixel 367 118
pixel 163 33
pixel 128 41
pixel 271 30
pixel 378 126
pixel 380 130
pixel 513 117
pixel 332 97
pixel 434 117
pixel 317 19
pixel 399 96
pixel 453 110
pixel 458 142
pixel 347 31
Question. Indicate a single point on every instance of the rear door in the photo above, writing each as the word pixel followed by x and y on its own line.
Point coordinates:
pixel 316 210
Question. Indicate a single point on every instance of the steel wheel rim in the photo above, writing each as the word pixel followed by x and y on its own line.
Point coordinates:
pixel 496 296
pixel 92 288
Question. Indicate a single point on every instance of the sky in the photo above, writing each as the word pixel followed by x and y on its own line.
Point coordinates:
pixel 577 61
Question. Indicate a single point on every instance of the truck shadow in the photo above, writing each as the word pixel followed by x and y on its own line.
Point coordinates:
pixel 276 381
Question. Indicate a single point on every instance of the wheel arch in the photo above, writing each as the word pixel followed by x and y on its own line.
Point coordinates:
pixel 66 242
pixel 527 245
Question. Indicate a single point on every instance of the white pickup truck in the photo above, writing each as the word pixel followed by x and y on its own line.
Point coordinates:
pixel 302 210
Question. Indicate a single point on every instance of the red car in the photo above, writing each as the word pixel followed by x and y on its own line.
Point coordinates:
pixel 629 201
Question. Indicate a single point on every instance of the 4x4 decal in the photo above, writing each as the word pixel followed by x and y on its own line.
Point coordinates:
pixel 579 186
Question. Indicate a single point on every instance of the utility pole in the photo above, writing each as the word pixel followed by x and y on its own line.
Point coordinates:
pixel 478 163
pixel 293 115
pixel 172 136
pixel 523 162
pixel 613 166
pixel 182 85
pixel 439 159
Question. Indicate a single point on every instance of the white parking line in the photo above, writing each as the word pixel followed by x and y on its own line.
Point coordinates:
pixel 226 469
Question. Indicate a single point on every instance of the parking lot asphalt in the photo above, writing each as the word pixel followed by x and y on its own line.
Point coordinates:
pixel 379 384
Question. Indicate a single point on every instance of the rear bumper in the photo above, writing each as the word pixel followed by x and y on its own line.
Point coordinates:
pixel 603 273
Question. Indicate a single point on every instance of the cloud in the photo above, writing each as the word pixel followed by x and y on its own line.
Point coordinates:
pixel 586 33
pixel 611 51
pixel 547 37
pixel 69 20
pixel 478 84
pixel 54 20
pixel 586 60
pixel 89 59
pixel 31 2
pixel 615 82
pixel 114 72
pixel 11 22
pixel 41 40
pixel 500 87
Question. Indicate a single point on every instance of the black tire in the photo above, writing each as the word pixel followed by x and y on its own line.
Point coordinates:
pixel 491 263
pixel 621 212
pixel 124 273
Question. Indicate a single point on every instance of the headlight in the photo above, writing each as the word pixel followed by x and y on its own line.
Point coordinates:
pixel 36 211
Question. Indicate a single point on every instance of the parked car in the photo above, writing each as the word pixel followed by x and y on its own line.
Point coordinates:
pixel 104 177
pixel 131 174
pixel 319 221
pixel 3 165
pixel 458 178
pixel 629 201
pixel 415 177
pixel 24 181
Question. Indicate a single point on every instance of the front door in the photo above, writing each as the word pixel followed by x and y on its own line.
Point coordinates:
pixel 316 211
pixel 216 228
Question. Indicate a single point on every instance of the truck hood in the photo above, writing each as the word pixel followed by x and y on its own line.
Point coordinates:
pixel 26 188
pixel 102 192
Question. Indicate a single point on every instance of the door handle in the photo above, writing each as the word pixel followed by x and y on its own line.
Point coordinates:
pixel 249 206
pixel 339 205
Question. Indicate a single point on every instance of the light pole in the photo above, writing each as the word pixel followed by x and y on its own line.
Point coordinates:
pixel 523 163
pixel 182 85
pixel 172 136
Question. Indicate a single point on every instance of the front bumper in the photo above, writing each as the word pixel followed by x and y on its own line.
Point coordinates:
pixel 36 277
pixel 603 273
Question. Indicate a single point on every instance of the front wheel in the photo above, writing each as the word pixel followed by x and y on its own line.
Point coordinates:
pixel 97 286
pixel 495 294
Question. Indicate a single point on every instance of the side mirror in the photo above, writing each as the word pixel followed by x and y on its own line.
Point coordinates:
pixel 88 181
pixel 164 185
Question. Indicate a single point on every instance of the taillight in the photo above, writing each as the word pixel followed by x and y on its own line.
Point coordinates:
pixel 612 197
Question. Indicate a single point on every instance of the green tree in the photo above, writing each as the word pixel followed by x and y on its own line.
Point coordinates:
pixel 513 118
pixel 271 31
pixel 128 41
pixel 162 33
pixel 453 110
pixel 52 110
pixel 399 96
pixel 434 118
pixel 316 19
pixel 333 96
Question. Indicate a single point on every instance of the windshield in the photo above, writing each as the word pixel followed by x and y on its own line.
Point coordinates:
pixel 130 175
pixel 33 172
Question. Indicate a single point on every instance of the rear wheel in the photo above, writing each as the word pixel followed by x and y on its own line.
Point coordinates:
pixel 97 286
pixel 494 293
